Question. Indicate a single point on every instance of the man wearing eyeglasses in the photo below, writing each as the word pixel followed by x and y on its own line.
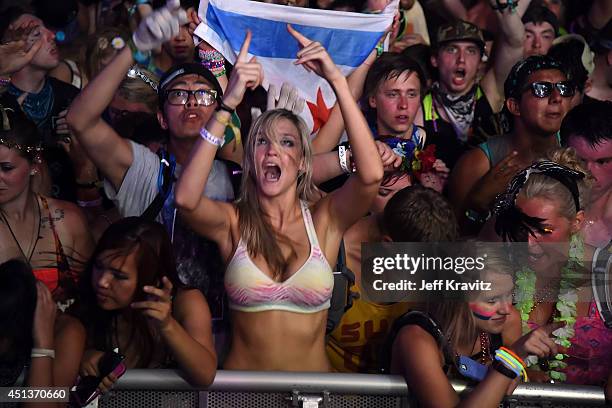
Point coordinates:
pixel 538 95
pixel 135 177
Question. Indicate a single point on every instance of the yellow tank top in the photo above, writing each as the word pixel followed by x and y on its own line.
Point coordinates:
pixel 355 344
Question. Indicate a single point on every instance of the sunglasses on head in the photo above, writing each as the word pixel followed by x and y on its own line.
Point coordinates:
pixel 543 89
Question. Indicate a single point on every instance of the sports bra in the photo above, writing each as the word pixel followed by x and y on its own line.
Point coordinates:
pixel 308 290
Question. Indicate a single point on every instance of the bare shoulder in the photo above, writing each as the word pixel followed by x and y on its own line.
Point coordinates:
pixel 416 338
pixel 64 212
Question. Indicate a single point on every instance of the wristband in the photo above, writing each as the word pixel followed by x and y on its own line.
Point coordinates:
pixel 220 73
pixel 343 159
pixel 223 106
pixel 210 138
pixel 5 82
pixel 87 204
pixel 502 369
pixel 140 57
pixel 42 352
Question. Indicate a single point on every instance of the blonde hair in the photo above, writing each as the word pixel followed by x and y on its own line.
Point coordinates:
pixel 454 315
pixel 137 90
pixel 258 234
pixel 541 185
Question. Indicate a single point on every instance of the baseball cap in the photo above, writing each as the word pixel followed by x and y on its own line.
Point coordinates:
pixel 180 70
pixel 460 31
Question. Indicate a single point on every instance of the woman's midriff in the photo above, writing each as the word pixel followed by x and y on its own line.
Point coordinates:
pixel 278 341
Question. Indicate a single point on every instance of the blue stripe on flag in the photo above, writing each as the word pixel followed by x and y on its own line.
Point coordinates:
pixel 271 39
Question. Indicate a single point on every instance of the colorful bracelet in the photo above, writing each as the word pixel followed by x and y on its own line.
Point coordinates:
pixel 512 363
pixel 220 73
pixel 513 354
pixel 210 138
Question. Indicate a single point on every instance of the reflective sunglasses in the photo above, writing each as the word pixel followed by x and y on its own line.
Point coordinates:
pixel 543 89
pixel 205 97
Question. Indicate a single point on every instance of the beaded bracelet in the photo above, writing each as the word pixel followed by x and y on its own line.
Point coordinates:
pixel 210 138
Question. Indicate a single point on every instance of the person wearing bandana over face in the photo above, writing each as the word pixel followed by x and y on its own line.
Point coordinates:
pixel 538 95
pixel 543 205
pixel 460 109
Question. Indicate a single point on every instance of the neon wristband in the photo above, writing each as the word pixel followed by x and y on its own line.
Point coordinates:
pixel 210 138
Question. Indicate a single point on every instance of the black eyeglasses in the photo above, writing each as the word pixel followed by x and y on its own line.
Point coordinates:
pixel 543 89
pixel 204 97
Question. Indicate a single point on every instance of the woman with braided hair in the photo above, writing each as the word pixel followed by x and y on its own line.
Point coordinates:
pixel 544 206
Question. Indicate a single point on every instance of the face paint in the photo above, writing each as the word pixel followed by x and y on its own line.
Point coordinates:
pixel 481 313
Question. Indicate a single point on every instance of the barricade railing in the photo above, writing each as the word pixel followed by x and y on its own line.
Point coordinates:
pixel 167 388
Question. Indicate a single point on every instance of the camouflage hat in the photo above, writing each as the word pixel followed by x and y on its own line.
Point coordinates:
pixel 460 31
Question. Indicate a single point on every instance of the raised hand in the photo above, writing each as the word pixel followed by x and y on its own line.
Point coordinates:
pixel 289 98
pixel 314 57
pixel 495 181
pixel 246 74
pixel 160 26
pixel 159 307
pixel 17 50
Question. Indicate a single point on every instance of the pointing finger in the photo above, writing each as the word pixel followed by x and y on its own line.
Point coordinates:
pixel 299 37
pixel 244 49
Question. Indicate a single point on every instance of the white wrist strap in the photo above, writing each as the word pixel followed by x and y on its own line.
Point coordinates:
pixel 42 352
pixel 210 138
pixel 343 159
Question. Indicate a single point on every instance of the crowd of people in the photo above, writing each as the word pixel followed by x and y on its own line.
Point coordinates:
pixel 156 200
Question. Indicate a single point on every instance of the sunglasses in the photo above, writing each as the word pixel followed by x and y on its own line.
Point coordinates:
pixel 205 97
pixel 543 89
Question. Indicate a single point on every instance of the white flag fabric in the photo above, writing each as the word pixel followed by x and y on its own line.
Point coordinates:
pixel 348 37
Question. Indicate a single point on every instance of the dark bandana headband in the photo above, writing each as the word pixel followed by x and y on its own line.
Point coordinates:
pixel 512 224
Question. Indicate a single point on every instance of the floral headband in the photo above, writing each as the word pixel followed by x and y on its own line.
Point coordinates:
pixel 415 161
pixel 511 223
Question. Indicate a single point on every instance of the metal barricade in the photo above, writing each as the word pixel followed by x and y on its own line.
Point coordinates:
pixel 237 389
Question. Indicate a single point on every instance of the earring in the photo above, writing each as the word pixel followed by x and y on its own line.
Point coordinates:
pixel 33 172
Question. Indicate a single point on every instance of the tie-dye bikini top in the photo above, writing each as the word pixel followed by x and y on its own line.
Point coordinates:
pixel 308 290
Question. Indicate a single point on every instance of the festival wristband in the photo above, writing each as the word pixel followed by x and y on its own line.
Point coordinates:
pixel 516 365
pixel 343 159
pixel 88 204
pixel 42 352
pixel 210 138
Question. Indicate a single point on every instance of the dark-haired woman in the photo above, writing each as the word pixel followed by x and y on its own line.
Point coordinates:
pixel 50 235
pixel 132 299
pixel 34 340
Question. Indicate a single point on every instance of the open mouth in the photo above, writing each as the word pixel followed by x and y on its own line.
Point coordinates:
pixel 272 173
pixel 459 76
pixel 402 118
pixel 188 116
